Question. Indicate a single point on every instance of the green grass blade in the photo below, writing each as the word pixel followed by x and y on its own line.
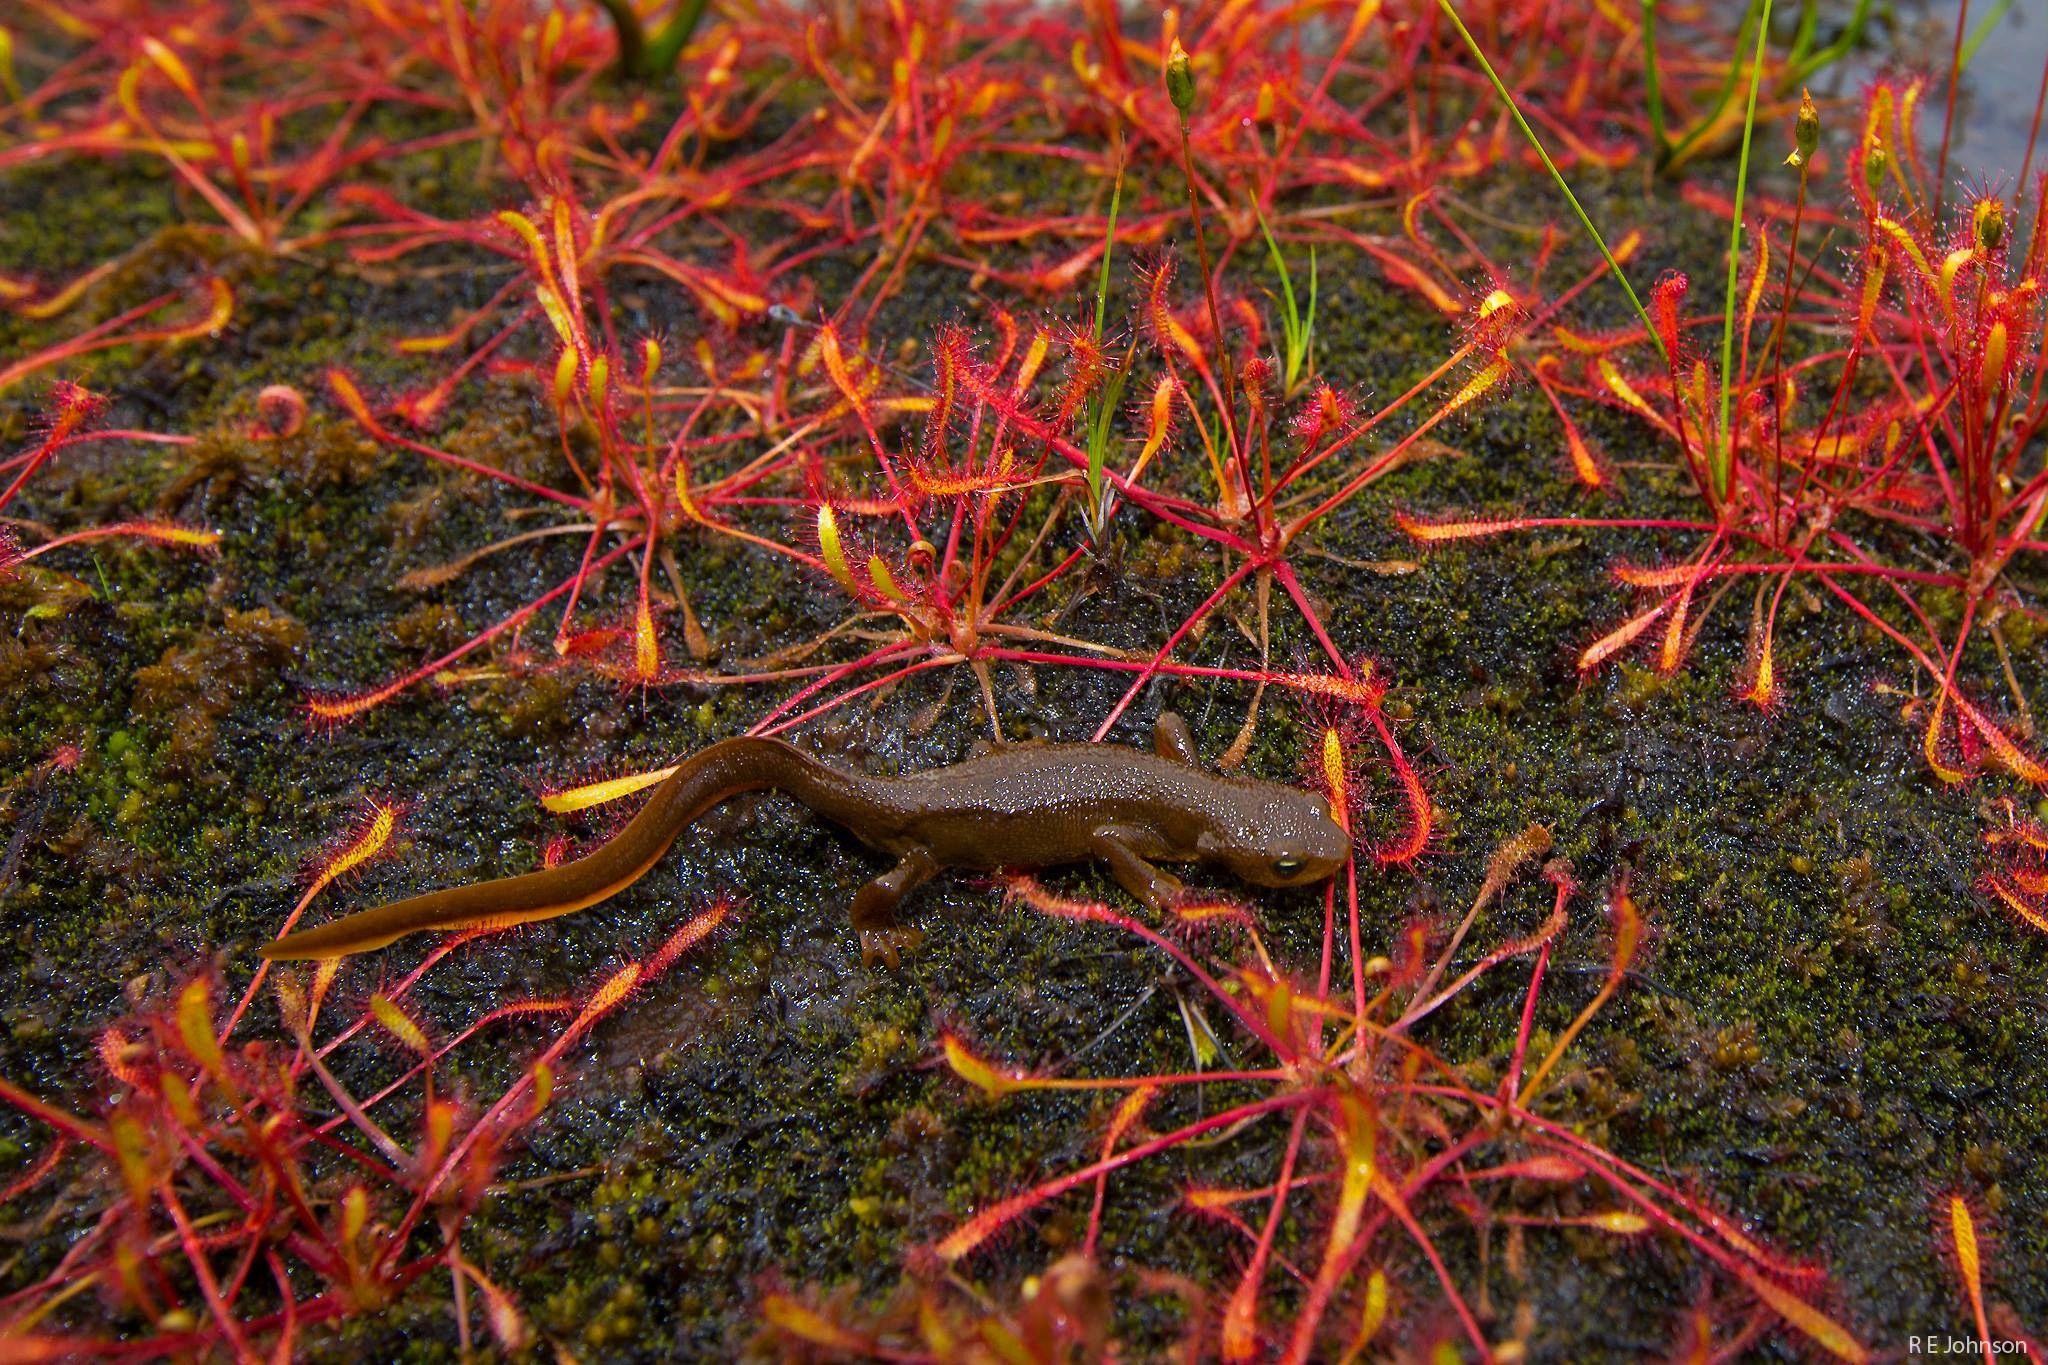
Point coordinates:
pixel 1555 174
pixel 1723 449
pixel 1290 321
pixel 1706 121
pixel 1852 34
pixel 1653 92
pixel 1104 413
pixel 1299 329
pixel 1309 326
pixel 1279 267
pixel 1983 31
pixel 1116 200
pixel 663 51
pixel 1802 36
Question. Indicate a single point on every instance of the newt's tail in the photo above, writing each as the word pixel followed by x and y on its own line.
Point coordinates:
pixel 705 779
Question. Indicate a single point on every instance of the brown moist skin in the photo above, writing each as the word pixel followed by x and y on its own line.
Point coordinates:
pixel 1013 808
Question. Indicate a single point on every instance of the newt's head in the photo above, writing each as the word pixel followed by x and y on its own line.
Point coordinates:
pixel 1276 835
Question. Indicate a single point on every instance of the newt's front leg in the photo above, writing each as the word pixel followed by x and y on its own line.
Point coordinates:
pixel 874 907
pixel 1118 847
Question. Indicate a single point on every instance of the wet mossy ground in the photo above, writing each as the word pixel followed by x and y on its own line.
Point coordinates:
pixel 1829 1028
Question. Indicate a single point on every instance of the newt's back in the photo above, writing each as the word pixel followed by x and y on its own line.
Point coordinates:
pixel 1039 805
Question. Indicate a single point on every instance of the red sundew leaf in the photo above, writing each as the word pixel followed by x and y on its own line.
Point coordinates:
pixel 689 936
pixel 1672 652
pixel 1547 1168
pixel 1818 1327
pixel 1667 304
pixel 33 1348
pixel 1167 332
pixel 855 391
pixel 1421 815
pixel 2018 904
pixel 1032 361
pixel 601 1002
pixel 1962 1233
pixel 1253 378
pixel 1586 466
pixel 2032 881
pixel 985 1076
pixel 1334 775
pixel 1529 943
pixel 15 293
pixel 174 534
pixel 1620 1222
pixel 508 1324
pixel 71 413
pixel 33 1176
pixel 1405 273
pixel 1158 422
pixel 400 1025
pixel 1411 950
pixel 1620 638
pixel 1430 532
pixel 1328 410
pixel 787 1314
pixel 370 839
pixel 1930 743
pixel 122 1056
pixel 951 356
pixel 1079 382
pixel 73 410
pixel 2029 833
pixel 1657 578
pixel 1214 1201
pixel 1208 911
pixel 1628 928
pixel 1365 691
pixel 2004 752
pixel 1495 321
pixel 343 386
pixel 1007 332
pixel 132 1154
pixel 1129 1110
pixel 1060 277
pixel 591 642
pixel 195 1028
pixel 1000 479
pixel 173 66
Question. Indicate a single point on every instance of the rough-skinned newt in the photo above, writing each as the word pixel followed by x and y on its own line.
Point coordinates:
pixel 1026 806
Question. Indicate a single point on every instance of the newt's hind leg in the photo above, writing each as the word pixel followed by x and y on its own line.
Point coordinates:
pixel 874 908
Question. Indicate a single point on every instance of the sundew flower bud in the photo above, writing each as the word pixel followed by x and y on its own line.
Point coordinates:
pixel 1805 133
pixel 1180 79
pixel 1987 222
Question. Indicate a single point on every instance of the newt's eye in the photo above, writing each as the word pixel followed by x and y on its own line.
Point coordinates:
pixel 1287 867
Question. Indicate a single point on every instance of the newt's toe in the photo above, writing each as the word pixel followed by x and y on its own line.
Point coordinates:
pixel 885 943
